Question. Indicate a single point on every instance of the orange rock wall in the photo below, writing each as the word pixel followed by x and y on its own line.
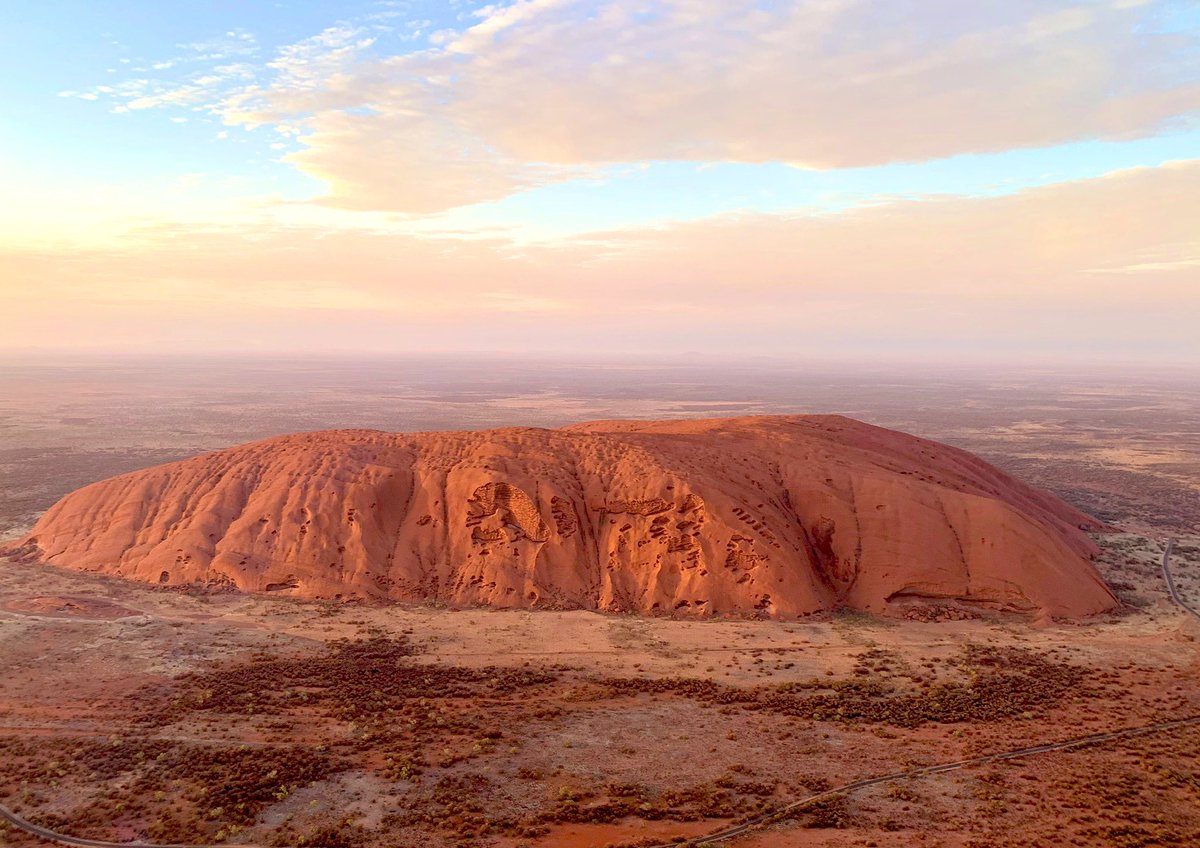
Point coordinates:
pixel 787 515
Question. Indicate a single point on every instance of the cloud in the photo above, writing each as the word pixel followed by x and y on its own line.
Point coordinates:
pixel 204 75
pixel 311 62
pixel 1143 267
pixel 958 275
pixel 540 90
pixel 411 161
pixel 1038 246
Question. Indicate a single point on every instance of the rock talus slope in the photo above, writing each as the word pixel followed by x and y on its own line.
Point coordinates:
pixel 787 515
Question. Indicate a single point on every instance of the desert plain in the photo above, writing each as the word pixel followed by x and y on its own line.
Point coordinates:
pixel 173 714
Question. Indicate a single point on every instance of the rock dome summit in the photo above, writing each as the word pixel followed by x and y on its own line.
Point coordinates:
pixel 783 515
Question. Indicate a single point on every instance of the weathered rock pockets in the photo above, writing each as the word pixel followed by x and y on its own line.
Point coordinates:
pixel 783 515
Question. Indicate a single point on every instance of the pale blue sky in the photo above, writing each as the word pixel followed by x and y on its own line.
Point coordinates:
pixel 139 127
pixel 54 53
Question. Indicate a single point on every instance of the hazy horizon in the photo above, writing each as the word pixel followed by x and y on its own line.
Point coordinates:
pixel 881 363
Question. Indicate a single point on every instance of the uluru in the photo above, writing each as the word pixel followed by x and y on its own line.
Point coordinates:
pixel 772 515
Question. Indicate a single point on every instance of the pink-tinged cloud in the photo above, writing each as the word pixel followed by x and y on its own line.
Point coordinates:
pixel 542 88
pixel 1109 264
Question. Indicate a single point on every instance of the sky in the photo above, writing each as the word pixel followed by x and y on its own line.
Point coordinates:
pixel 661 178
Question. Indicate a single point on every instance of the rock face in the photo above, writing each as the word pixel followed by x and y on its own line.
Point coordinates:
pixel 785 515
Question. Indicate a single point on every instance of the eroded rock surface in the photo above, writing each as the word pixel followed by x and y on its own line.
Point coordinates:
pixel 785 515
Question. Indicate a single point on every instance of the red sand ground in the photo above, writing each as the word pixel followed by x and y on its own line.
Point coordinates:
pixel 68 607
pixel 503 728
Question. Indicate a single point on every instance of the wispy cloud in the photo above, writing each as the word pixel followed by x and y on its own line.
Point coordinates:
pixel 536 91
pixel 938 273
pixel 200 76
pixel 1144 267
pixel 312 62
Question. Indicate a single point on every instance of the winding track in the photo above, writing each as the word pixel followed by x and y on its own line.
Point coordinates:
pixel 765 818
pixel 728 833
pixel 1077 742
pixel 1171 588
pixel 63 839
